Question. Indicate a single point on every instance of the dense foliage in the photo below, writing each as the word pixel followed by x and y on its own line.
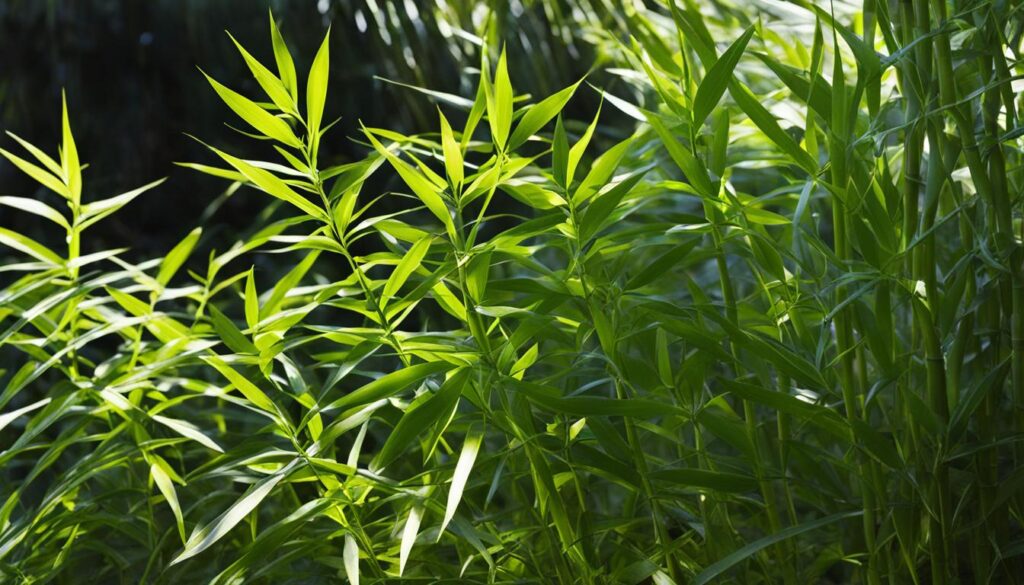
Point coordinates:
pixel 773 332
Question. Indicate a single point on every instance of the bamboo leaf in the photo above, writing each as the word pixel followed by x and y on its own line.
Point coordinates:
pixel 409 532
pixel 69 156
pixel 29 246
pixel 252 303
pixel 43 177
pixel 577 150
pixel 405 268
pixel 499 107
pixel 272 185
pixel 717 79
pixel 263 121
pixel 713 571
pixel 470 449
pixel 274 87
pixel 427 192
pixel 35 207
pixel 177 256
pixel 166 487
pixel 452 153
pixel 538 115
pixel 316 88
pixel 208 535
pixel 350 555
pixel 247 388
pixel 420 417
pixel 285 65
pixel 389 385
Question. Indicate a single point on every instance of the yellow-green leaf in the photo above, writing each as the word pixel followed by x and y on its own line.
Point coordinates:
pixel 247 388
pixel 409 263
pixel 499 111
pixel 29 246
pixel 263 121
pixel 420 185
pixel 272 185
pixel 177 256
pixel 452 152
pixel 540 114
pixel 46 179
pixel 273 86
pixel 69 156
pixel 252 304
pixel 316 88
pixel 462 469
pixel 285 65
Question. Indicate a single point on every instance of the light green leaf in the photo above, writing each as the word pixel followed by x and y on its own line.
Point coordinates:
pixel 36 207
pixel 263 121
pixel 247 388
pixel 29 246
pixel 420 185
pixel 499 110
pixel 764 217
pixel 717 79
pixel 528 358
pixel 448 301
pixel 409 532
pixel 316 88
pixel 273 86
pixel 47 161
pixel 69 156
pixel 290 281
pixel 188 430
pixel 767 123
pixel 9 417
pixel 177 256
pixel 538 115
pixel 409 263
pixel 577 150
pixel 166 486
pixel 389 384
pixel 97 210
pixel 252 303
pixel 164 328
pixel 272 185
pixel 214 171
pixel 207 536
pixel 463 467
pixel 46 179
pixel 351 559
pixel 452 153
pixel 601 171
pixel 285 65
pixel 230 334
pixel 691 166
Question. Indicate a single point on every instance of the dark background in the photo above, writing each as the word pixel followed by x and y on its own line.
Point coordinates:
pixel 129 68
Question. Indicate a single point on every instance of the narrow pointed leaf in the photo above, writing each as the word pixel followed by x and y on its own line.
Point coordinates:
pixel 717 79
pixel 263 121
pixel 463 467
